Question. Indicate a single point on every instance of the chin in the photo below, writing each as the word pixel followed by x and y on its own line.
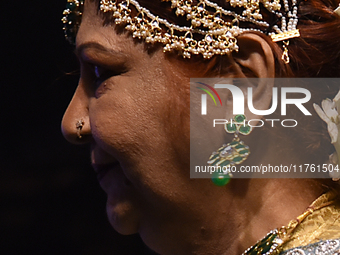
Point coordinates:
pixel 123 217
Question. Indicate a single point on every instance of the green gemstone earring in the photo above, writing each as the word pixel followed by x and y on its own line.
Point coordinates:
pixel 230 154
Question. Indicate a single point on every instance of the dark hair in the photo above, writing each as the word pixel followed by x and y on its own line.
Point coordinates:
pixel 316 53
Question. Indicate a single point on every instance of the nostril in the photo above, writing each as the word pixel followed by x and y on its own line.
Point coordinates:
pixel 76 130
pixel 127 182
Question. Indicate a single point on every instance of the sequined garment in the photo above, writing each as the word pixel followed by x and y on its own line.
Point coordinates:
pixel 315 232
pixel 328 247
pixel 319 233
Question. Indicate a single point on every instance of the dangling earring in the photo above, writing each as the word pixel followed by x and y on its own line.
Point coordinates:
pixel 230 154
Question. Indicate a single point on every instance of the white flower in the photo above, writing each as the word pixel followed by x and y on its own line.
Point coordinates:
pixel 330 113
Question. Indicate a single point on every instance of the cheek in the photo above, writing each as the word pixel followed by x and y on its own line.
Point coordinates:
pixel 164 171
pixel 143 122
pixel 120 123
pixel 140 117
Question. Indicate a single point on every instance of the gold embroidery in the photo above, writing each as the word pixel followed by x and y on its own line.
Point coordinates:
pixel 320 222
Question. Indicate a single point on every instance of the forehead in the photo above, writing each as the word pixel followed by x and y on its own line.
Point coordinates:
pixel 99 29
pixel 94 28
pixel 91 19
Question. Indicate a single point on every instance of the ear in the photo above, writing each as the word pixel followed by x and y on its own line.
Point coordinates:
pixel 255 55
pixel 255 59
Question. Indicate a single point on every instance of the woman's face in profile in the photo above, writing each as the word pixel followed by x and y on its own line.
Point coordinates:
pixel 137 104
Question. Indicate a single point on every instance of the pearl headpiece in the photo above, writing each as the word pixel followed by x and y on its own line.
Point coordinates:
pixel 211 29
pixel 72 19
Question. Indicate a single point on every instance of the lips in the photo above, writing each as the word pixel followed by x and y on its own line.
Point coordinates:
pixel 102 169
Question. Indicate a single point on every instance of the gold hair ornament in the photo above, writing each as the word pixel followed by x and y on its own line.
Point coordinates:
pixel 211 30
pixel 72 19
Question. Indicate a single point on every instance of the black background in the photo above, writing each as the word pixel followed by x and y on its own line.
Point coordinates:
pixel 50 200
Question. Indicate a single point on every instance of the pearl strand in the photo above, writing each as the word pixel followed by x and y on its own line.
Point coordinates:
pixel 220 36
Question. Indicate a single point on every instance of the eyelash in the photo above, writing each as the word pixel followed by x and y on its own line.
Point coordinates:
pixel 96 72
pixel 101 74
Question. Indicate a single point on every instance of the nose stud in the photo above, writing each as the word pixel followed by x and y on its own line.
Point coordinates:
pixel 79 126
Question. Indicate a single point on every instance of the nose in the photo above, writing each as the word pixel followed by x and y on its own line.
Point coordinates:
pixel 75 125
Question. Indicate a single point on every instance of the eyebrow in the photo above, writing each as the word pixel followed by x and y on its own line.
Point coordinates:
pixel 93 45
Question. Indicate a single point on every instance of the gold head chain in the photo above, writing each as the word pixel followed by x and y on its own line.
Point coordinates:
pixel 210 30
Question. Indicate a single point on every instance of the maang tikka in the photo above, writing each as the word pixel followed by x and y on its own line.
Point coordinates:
pixel 230 154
